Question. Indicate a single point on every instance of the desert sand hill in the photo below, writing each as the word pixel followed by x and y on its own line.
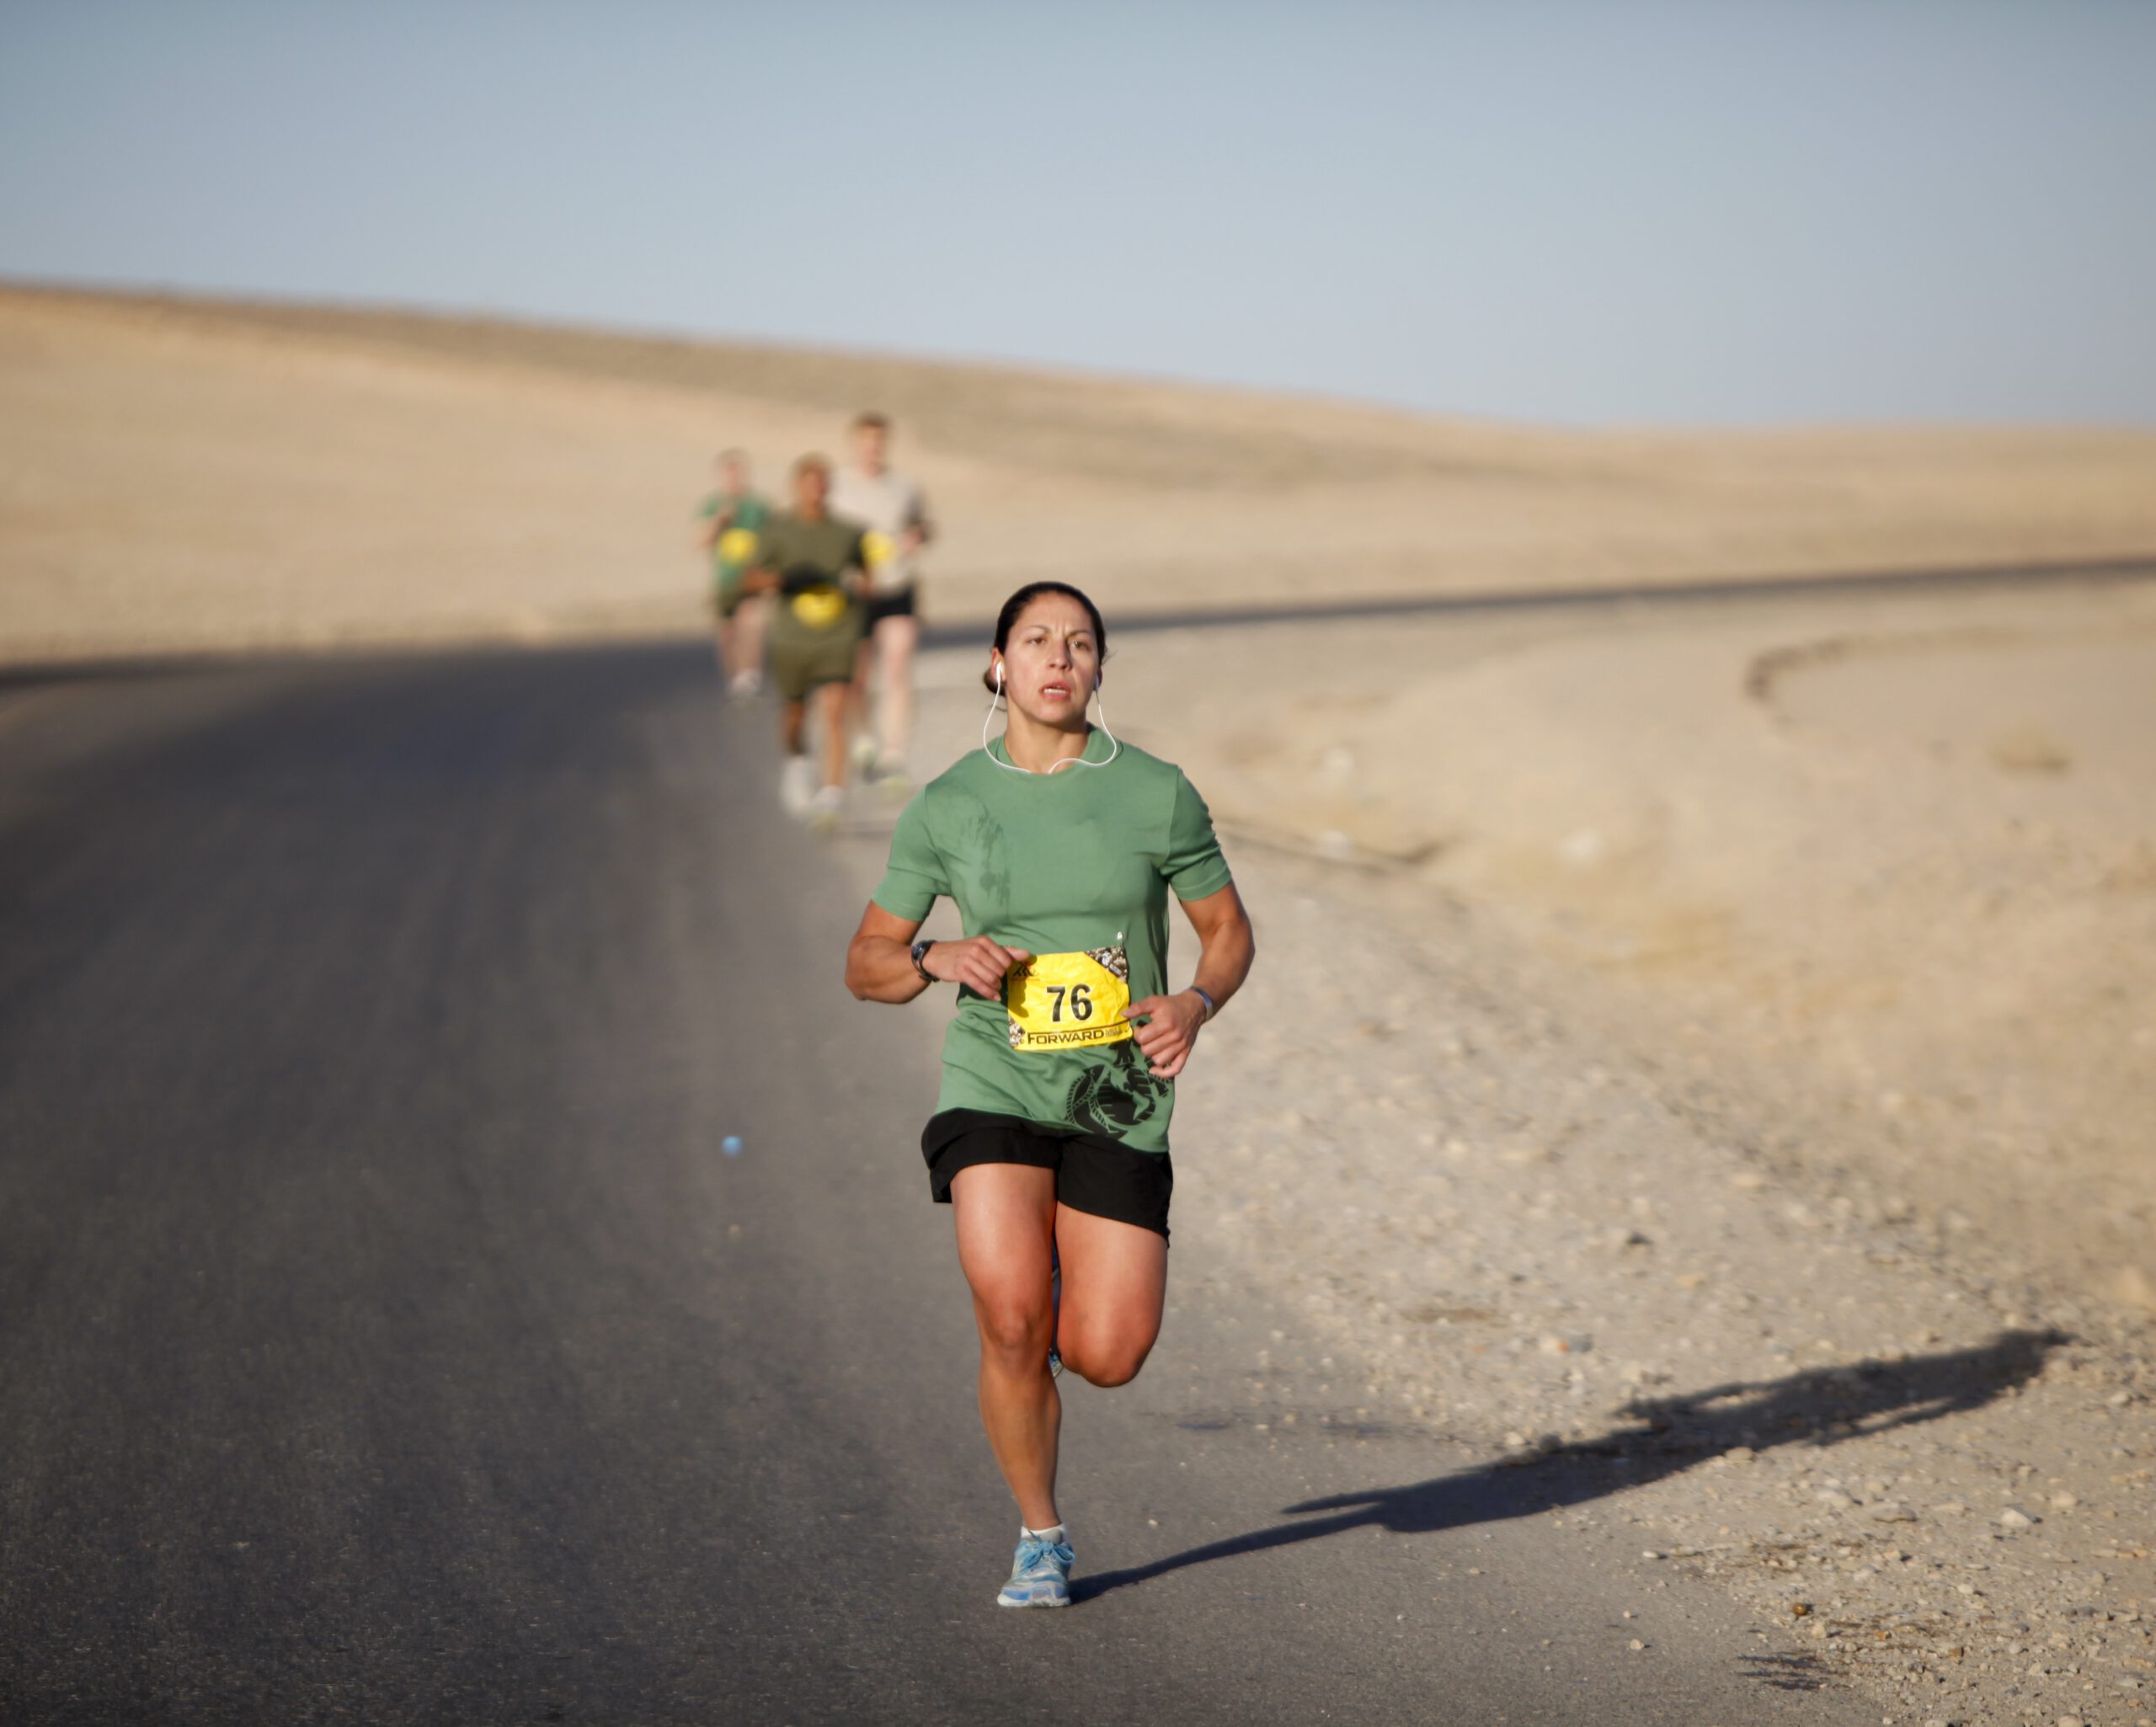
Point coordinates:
pixel 179 475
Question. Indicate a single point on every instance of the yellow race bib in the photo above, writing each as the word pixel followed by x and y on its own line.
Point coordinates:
pixel 876 549
pixel 736 546
pixel 819 608
pixel 1068 1000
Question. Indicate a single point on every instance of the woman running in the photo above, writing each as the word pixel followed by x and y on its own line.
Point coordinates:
pixel 1051 1136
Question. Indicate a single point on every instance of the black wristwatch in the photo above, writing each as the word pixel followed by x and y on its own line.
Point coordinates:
pixel 920 951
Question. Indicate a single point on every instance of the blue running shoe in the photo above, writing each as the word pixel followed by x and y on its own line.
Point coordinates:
pixel 1040 1574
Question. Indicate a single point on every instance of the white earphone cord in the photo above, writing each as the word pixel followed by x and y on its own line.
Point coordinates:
pixel 1115 748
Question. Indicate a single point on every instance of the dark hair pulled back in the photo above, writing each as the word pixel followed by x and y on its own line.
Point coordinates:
pixel 1014 608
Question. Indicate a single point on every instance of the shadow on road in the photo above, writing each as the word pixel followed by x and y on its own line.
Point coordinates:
pixel 1663 1436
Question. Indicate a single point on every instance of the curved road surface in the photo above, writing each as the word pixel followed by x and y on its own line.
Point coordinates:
pixel 384 1337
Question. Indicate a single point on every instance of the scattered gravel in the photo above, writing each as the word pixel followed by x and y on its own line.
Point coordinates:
pixel 1495 1232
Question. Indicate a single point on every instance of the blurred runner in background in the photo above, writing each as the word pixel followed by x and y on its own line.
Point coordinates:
pixel 814 566
pixel 894 516
pixel 729 522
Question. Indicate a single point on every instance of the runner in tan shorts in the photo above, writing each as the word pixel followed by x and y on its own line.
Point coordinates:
pixel 812 564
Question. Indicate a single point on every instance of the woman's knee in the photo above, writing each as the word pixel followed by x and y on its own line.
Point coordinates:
pixel 1014 1327
pixel 1106 1360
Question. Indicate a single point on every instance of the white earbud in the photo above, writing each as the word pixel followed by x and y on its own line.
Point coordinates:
pixel 1115 749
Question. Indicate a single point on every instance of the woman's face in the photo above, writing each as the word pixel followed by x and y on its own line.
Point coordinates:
pixel 1052 662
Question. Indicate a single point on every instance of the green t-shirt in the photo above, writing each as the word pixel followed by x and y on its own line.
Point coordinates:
pixel 750 513
pixel 1074 863
pixel 812 560
pixel 809 554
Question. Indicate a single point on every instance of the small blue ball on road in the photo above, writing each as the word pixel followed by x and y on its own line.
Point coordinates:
pixel 731 1145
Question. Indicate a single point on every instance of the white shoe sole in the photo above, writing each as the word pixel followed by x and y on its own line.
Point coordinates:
pixel 1038 1600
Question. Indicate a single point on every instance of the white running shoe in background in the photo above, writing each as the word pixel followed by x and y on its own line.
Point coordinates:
pixel 825 809
pixel 746 686
pixel 796 785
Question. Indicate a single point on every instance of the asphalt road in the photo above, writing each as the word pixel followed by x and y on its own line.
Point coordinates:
pixel 385 1337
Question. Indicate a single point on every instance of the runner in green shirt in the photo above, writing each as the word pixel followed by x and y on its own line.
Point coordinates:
pixel 728 523
pixel 1060 847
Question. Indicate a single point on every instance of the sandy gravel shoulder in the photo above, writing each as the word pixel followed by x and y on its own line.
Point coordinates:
pixel 1515 1240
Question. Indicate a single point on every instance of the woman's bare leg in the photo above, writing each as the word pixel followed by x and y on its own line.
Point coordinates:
pixel 1005 1215
pixel 1115 1281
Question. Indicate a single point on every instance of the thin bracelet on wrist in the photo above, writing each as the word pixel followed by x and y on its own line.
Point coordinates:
pixel 1210 1009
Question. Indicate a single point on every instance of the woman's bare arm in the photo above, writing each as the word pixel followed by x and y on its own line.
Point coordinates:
pixel 1227 945
pixel 879 960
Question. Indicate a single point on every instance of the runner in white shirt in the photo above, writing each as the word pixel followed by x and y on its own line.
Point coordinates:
pixel 894 517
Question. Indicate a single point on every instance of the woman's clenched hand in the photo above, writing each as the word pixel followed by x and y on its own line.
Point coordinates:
pixel 977 962
pixel 1170 1030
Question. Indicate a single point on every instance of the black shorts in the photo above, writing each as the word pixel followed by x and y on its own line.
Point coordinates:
pixel 898 602
pixel 1092 1175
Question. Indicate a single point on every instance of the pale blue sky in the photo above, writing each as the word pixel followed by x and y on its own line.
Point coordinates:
pixel 1612 210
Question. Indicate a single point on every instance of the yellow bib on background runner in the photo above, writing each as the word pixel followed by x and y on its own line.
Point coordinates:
pixel 737 545
pixel 819 608
pixel 876 549
pixel 1068 1000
